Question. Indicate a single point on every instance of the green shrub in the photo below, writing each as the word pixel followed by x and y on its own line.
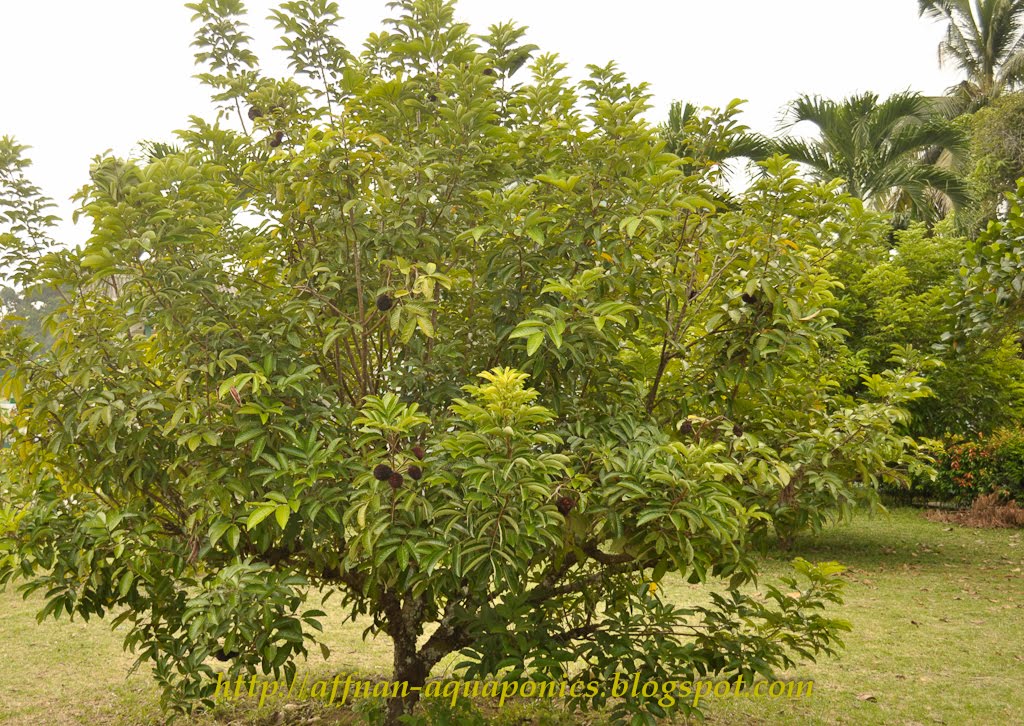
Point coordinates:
pixel 972 467
pixel 1006 469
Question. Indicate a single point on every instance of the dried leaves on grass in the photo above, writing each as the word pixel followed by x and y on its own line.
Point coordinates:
pixel 988 510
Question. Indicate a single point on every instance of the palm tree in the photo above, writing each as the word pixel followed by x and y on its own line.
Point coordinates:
pixel 985 39
pixel 883 151
pixel 710 141
pixel 714 136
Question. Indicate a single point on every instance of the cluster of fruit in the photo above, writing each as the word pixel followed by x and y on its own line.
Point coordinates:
pixel 278 137
pixel 383 472
pixel 687 427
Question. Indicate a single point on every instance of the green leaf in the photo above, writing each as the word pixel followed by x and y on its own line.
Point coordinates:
pixel 247 435
pixel 258 515
pixel 282 513
pixel 555 333
pixel 533 342
pixel 98 260
pixel 218 529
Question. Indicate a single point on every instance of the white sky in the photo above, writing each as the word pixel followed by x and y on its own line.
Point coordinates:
pixel 80 77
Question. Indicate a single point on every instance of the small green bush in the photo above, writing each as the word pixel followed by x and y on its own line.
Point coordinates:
pixel 970 468
pixel 1007 466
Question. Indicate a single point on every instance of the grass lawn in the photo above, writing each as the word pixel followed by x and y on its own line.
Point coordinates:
pixel 936 611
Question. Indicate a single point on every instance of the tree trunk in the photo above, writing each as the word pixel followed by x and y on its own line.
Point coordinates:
pixel 787 531
pixel 411 666
pixel 410 669
pixel 410 672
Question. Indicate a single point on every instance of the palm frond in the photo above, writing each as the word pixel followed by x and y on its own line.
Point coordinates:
pixel 985 39
pixel 901 148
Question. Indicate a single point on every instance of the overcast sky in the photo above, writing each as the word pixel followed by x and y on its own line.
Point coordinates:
pixel 81 77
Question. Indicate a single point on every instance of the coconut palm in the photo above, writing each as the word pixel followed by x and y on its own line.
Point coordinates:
pixel 883 151
pixel 985 39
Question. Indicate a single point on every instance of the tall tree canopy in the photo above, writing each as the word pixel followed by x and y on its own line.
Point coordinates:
pixel 997 157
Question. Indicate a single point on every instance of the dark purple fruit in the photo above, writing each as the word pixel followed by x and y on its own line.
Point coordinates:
pixel 565 505
pixel 254 113
pixel 419 452
pixel 737 430
pixel 384 302
pixel 278 138
pixel 749 299
pixel 415 472
pixel 382 472
pixel 396 480
pixel 432 98
pixel 488 71
pixel 686 427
